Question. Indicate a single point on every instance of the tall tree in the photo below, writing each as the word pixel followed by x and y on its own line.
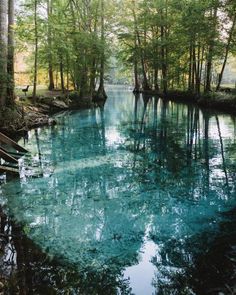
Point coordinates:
pixel 141 48
pixel 50 57
pixel 211 44
pixel 101 94
pixel 10 64
pixel 3 51
pixel 35 49
pixel 232 13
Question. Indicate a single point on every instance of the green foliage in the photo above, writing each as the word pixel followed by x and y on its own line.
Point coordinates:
pixel 181 42
pixel 74 96
pixel 70 40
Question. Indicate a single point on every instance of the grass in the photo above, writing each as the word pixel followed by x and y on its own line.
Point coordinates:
pixel 42 90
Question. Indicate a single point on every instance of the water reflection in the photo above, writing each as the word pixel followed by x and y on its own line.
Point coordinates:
pixel 134 189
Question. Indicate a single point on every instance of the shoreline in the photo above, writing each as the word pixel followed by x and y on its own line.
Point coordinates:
pixel 28 115
pixel 218 101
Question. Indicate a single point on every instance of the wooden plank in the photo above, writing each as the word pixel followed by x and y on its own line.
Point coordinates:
pixel 16 146
pixel 5 156
pixel 7 169
pixel 16 155
pixel 12 165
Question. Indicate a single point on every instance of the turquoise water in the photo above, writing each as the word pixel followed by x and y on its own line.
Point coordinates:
pixel 137 189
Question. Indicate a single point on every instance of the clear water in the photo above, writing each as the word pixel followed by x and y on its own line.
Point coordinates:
pixel 137 189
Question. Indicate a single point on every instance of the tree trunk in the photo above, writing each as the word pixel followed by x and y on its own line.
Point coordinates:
pixel 194 67
pixel 198 71
pixel 190 68
pixel 67 73
pixel 36 50
pixel 163 61
pixel 3 52
pixel 145 80
pixel 10 61
pixel 94 63
pixel 62 75
pixel 84 87
pixel 136 80
pixel 156 85
pixel 210 51
pixel 92 84
pixel 226 53
pixel 101 94
pixel 50 63
pixel 201 64
pixel 155 63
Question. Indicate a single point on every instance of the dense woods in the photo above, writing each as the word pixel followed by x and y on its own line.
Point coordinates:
pixel 65 38
pixel 68 38
pixel 178 44
pixel 137 186
pixel 167 45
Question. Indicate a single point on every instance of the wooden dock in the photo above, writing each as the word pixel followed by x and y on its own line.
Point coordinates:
pixel 6 140
pixel 8 169
pixel 10 152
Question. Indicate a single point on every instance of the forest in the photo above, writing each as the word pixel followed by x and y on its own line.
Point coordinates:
pixel 117 147
pixel 164 45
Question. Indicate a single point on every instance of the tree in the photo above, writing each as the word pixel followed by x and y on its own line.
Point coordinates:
pixel 232 16
pixel 178 44
pixel 211 44
pixel 10 60
pixel 3 51
pixel 101 94
pixel 35 49
pixel 50 58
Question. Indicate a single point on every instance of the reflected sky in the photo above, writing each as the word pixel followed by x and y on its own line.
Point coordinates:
pixel 137 187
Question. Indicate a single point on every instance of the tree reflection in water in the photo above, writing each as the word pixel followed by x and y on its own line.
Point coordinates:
pixel 138 170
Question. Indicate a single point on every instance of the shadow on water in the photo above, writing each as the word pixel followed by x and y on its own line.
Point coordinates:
pixel 25 269
pixel 136 196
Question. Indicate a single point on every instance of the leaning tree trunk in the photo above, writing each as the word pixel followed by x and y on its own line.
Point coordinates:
pixel 3 52
pixel 226 53
pixel 10 62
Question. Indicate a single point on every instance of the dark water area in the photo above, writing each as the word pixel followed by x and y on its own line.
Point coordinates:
pixel 133 197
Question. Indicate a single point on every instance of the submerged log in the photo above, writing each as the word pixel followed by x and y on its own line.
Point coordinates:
pixel 8 169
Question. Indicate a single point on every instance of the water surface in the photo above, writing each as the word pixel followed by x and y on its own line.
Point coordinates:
pixel 130 194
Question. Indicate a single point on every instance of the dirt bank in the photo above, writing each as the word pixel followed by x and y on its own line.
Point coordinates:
pixel 26 115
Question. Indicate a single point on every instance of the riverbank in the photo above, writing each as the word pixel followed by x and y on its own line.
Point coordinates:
pixel 220 101
pixel 26 115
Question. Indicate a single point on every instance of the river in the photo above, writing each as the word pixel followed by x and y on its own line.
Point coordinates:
pixel 133 197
